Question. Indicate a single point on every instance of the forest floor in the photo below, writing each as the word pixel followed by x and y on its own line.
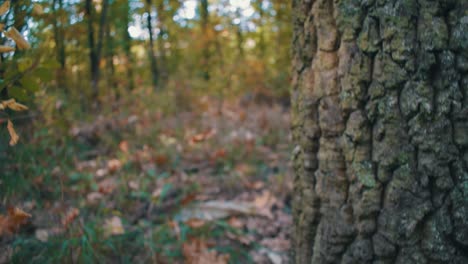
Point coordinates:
pixel 195 186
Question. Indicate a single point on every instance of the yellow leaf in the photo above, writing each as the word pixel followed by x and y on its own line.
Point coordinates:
pixel 4 7
pixel 13 105
pixel 4 49
pixel 20 41
pixel 13 136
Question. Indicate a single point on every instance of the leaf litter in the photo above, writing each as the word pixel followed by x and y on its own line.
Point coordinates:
pixel 229 171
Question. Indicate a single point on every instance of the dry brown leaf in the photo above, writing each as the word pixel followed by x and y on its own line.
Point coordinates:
pixel 13 105
pixel 235 222
pixel 202 136
pixel 264 202
pixel 13 220
pixel 245 240
pixel 4 8
pixel 123 146
pixel 4 49
pixel 20 41
pixel 196 251
pixel 195 223
pixel 256 185
pixel 218 154
pixel 114 165
pixel 13 136
pixel 161 160
pixel 71 215
pixel 107 186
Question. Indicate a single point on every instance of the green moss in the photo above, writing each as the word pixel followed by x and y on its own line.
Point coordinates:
pixel 365 173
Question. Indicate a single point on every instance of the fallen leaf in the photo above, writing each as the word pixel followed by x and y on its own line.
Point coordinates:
pixel 93 197
pixel 161 160
pixel 218 154
pixel 256 185
pixel 235 222
pixel 264 202
pixel 133 185
pixel 114 165
pixel 102 172
pixel 196 251
pixel 107 186
pixel 195 223
pixel 13 220
pixel 113 226
pixel 123 146
pixel 188 199
pixel 71 215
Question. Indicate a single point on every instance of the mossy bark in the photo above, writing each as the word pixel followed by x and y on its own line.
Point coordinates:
pixel 380 126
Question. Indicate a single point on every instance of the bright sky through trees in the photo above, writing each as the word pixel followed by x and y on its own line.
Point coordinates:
pixel 188 11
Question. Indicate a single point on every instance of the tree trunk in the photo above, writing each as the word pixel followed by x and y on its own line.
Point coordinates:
pixel 162 50
pixel 59 42
pixel 110 53
pixel 152 55
pixel 380 108
pixel 127 48
pixel 95 48
pixel 58 33
pixel 204 13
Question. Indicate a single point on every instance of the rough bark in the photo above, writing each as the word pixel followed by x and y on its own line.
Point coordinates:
pixel 380 108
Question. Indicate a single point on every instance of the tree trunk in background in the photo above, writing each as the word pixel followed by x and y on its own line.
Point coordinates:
pixel 59 40
pixel 127 47
pixel 92 47
pixel 162 31
pixel 154 65
pixel 58 33
pixel 239 37
pixel 95 48
pixel 261 27
pixel 380 108
pixel 110 53
pixel 204 13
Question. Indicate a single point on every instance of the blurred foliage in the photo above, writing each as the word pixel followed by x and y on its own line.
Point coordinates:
pixel 87 82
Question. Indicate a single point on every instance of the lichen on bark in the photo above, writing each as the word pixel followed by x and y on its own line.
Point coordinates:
pixel 380 124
